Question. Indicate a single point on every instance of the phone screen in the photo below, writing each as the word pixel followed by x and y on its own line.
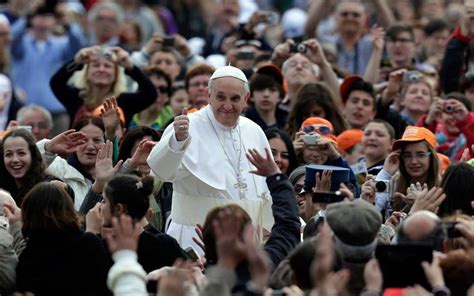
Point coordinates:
pixel 401 264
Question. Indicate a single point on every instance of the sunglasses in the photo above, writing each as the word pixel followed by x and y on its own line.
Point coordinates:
pixel 320 129
pixel 350 13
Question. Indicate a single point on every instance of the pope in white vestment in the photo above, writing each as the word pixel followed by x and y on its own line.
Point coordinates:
pixel 210 168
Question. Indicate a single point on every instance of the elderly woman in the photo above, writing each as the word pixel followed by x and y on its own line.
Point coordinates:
pixel 101 75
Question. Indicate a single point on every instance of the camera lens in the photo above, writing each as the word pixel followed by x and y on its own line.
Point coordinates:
pixel 301 48
pixel 380 186
pixel 448 109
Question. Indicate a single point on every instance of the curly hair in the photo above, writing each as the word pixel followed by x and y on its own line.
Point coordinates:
pixel 35 174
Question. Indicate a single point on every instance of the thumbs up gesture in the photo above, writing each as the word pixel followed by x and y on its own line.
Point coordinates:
pixel 181 126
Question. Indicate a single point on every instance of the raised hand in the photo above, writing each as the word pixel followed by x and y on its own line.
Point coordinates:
pixel 110 116
pixel 378 37
pixel 436 110
pixel 181 45
pixel 141 154
pixel 124 235
pixel 326 147
pixel 94 220
pixel 86 55
pixel 66 142
pixel 392 162
pixel 104 168
pixel 298 143
pixel 265 166
pixel 315 52
pixel 433 272
pixel 230 247
pixel 181 126
pixel 373 276
pixel 367 191
pixel 323 181
pixel 459 110
pixel 428 200
pixel 122 57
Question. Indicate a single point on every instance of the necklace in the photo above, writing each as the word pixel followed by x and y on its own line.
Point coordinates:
pixel 241 185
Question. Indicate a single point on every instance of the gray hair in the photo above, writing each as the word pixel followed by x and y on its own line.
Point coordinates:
pixel 245 83
pixel 107 5
pixel 314 67
pixel 20 115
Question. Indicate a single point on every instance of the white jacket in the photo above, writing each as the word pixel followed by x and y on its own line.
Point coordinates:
pixel 61 169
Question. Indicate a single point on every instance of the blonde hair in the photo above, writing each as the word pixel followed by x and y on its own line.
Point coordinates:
pixel 79 80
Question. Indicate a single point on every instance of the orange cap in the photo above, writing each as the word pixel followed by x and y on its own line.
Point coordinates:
pixel 415 134
pixel 444 162
pixel 320 122
pixel 96 113
pixel 346 85
pixel 349 138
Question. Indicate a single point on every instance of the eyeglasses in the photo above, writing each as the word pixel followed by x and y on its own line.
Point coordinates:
pixel 350 13
pixel 320 129
pixel 416 155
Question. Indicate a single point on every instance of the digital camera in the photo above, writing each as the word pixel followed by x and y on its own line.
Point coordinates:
pixel 311 139
pixel 382 186
pixel 298 47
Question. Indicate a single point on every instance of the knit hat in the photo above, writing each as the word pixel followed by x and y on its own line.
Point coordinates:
pixel 354 223
pixel 415 134
pixel 349 139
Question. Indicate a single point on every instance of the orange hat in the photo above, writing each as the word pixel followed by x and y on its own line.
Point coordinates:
pixel 415 134
pixel 319 123
pixel 349 138
pixel 444 161
pixel 96 113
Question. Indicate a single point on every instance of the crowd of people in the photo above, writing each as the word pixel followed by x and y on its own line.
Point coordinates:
pixel 237 147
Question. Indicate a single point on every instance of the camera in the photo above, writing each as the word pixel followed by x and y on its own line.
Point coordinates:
pixel 451 230
pixel 448 109
pixel 298 47
pixel 411 76
pixel 311 139
pixel 106 53
pixel 245 55
pixel 168 41
pixel 382 186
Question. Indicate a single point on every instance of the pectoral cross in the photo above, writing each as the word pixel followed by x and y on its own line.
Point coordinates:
pixel 242 186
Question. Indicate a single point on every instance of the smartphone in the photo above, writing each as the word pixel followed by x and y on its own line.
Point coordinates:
pixel 328 197
pixel 401 264
pixel 451 230
pixel 192 254
pixel 168 41
pixel 245 55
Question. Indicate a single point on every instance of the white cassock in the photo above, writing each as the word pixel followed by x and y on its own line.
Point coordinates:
pixel 203 170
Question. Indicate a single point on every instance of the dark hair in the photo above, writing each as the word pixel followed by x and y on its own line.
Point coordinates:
pixel 196 70
pixel 86 120
pixel 435 25
pixel 278 133
pixel 459 193
pixel 309 95
pixel 209 239
pixel 35 174
pixel 393 31
pixel 155 71
pixel 47 208
pixel 262 81
pixel 131 192
pixel 388 127
pixel 132 136
pixel 364 86
pixel 460 97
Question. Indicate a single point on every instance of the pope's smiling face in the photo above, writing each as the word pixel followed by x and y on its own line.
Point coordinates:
pixel 227 97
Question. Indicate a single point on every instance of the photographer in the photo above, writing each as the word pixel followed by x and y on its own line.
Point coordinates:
pixel 451 120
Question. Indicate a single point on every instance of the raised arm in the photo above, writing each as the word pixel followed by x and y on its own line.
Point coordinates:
pixel 384 13
pixel 373 67
pixel 317 12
